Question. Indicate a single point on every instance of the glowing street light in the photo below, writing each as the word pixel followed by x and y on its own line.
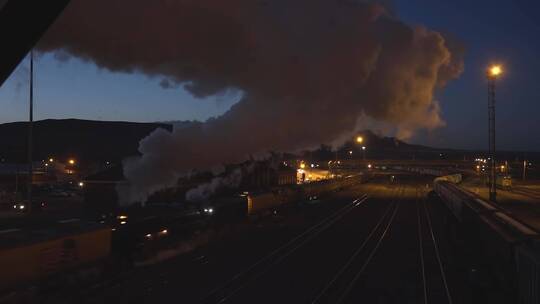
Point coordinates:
pixel 495 70
pixel 359 139
pixel 71 161
pixel 51 160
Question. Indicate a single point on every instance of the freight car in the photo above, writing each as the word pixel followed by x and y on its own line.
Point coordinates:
pixel 428 170
pixel 317 189
pixel 71 247
pixel 509 247
pixel 453 178
pixel 260 203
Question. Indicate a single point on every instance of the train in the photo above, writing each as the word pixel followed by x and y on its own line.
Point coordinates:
pixel 504 182
pixel 64 249
pixel 507 246
pixel 260 203
pixel 72 249
pixel 427 170
pixel 453 178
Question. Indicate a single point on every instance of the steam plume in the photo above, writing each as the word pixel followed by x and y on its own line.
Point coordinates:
pixel 308 70
pixel 205 190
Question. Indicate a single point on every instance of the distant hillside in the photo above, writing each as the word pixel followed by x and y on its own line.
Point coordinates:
pixel 377 147
pixel 382 143
pixel 83 139
pixel 381 147
pixel 113 141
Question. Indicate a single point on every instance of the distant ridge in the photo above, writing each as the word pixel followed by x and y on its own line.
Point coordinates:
pixel 90 140
pixel 83 139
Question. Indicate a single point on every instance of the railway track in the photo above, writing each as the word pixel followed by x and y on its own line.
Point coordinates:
pixel 239 281
pixel 526 192
pixel 354 273
pixel 339 286
pixel 434 281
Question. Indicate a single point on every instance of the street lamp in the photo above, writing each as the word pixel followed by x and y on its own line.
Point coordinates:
pixel 493 72
pixel 364 152
pixel 359 139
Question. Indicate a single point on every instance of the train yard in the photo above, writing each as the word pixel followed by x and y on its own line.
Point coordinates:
pixel 381 242
pixel 390 237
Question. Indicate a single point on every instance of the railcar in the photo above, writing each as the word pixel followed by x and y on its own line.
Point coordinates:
pixel 510 247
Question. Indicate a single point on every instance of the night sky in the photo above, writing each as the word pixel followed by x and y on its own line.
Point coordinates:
pixel 498 31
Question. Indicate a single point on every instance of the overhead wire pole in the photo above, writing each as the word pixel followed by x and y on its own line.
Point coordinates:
pixel 30 139
pixel 22 24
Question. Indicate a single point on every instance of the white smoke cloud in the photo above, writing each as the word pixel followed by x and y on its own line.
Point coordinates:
pixel 204 191
pixel 308 71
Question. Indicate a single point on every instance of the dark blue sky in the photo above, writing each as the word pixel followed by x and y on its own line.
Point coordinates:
pixel 501 31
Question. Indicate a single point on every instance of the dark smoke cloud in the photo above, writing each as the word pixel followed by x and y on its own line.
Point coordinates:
pixel 308 70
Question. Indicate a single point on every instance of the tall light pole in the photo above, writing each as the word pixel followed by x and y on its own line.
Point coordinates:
pixel 30 140
pixel 364 152
pixel 359 140
pixel 492 74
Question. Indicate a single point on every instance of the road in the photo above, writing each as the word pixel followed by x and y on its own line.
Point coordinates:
pixel 376 243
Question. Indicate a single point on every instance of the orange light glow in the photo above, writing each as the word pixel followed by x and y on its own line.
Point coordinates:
pixel 495 70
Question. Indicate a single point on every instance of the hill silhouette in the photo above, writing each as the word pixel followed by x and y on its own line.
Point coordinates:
pixel 83 139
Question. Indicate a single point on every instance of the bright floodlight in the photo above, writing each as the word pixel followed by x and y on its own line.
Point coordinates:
pixel 71 161
pixel 359 139
pixel 495 70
